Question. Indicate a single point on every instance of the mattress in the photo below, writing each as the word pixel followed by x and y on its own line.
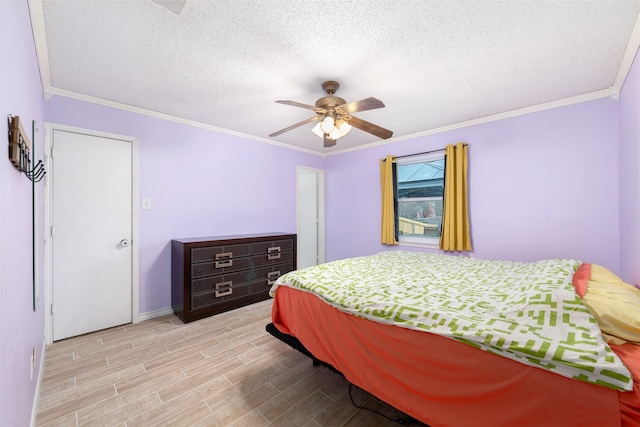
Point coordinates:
pixel 444 377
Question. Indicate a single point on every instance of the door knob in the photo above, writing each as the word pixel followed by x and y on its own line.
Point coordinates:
pixel 124 243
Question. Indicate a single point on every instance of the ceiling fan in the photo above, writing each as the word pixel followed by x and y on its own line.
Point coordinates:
pixel 334 118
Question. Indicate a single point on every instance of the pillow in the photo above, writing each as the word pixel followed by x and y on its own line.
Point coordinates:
pixel 581 279
pixel 615 305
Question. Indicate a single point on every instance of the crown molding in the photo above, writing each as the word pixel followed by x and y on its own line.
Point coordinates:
pixel 627 59
pixel 37 23
pixel 604 93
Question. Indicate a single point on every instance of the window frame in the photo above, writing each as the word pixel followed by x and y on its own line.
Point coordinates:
pixel 415 241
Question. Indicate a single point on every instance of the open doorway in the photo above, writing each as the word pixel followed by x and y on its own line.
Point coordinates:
pixel 310 216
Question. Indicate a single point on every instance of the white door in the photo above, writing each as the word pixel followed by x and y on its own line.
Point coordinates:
pixel 310 217
pixel 91 215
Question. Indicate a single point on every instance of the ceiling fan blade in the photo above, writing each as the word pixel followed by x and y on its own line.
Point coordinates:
pixel 328 142
pixel 362 105
pixel 287 129
pixel 301 105
pixel 370 128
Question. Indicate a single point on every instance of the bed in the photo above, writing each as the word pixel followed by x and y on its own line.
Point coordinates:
pixel 457 341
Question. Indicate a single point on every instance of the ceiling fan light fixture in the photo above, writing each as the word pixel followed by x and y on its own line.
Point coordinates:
pixel 334 134
pixel 338 129
pixel 333 116
pixel 327 125
pixel 343 127
pixel 317 130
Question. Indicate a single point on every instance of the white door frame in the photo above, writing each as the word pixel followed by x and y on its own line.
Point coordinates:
pixel 319 173
pixel 48 247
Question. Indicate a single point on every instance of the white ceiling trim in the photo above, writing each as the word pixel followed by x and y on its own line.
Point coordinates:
pixel 492 118
pixel 163 116
pixel 36 11
pixel 627 60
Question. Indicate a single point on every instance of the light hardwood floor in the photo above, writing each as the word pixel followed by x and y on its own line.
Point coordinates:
pixel 224 370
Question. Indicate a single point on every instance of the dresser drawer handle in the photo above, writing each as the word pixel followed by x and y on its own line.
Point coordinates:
pixel 273 253
pixel 272 277
pixel 226 288
pixel 225 259
pixel 225 263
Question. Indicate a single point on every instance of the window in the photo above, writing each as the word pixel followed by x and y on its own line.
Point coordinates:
pixel 420 194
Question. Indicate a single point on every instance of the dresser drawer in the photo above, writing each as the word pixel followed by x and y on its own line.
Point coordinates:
pixel 215 253
pixel 221 266
pixel 272 247
pixel 208 284
pixel 271 259
pixel 224 294
pixel 265 277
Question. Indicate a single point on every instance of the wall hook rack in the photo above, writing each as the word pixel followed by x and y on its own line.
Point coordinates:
pixel 20 157
pixel 37 173
pixel 20 150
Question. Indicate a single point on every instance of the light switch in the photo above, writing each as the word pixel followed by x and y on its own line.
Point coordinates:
pixel 146 203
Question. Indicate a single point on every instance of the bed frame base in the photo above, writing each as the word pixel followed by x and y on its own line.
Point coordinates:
pixel 296 344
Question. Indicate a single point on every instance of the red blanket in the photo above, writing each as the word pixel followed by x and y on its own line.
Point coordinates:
pixel 443 382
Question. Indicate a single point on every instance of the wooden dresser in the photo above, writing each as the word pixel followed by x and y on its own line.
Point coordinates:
pixel 216 274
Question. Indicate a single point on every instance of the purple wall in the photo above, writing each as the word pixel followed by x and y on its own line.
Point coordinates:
pixel 200 182
pixel 630 177
pixel 542 185
pixel 21 329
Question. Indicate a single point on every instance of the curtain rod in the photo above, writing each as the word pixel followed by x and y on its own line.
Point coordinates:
pixel 418 154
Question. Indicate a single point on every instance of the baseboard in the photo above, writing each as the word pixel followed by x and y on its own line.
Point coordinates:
pixel 156 313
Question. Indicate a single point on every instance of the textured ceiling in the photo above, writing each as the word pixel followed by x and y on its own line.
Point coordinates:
pixel 222 63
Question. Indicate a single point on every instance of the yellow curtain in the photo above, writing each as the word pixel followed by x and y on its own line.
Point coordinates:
pixel 456 235
pixel 388 205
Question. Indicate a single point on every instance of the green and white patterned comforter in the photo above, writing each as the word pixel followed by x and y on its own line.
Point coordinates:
pixel 528 312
